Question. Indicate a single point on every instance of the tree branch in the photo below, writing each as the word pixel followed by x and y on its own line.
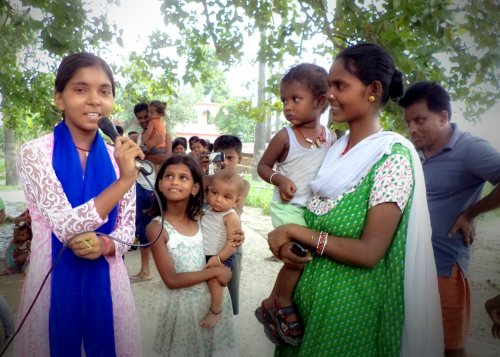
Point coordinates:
pixel 6 18
pixel 209 24
pixel 326 28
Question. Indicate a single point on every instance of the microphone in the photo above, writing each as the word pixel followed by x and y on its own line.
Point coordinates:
pixel 109 130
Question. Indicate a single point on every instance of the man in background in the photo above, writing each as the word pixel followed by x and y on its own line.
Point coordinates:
pixel 456 166
pixel 144 192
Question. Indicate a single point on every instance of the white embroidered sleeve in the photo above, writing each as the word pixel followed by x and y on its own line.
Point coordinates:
pixel 41 186
pixel 125 222
pixel 393 182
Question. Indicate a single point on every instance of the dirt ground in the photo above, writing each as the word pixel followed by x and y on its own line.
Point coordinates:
pixel 258 277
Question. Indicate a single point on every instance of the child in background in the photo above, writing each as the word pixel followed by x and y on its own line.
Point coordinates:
pixel 199 146
pixel 180 259
pixel 219 221
pixel 18 251
pixel 179 146
pixel 298 152
pixel 133 135
pixel 192 139
pixel 156 110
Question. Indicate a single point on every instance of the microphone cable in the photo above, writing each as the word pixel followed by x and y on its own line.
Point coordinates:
pixel 145 173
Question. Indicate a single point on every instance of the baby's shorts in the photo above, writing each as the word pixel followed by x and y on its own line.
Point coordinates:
pixel 229 262
pixel 284 213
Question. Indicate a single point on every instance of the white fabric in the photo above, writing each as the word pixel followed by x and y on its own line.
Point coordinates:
pixel 423 325
pixel 152 178
pixel 301 166
pixel 214 230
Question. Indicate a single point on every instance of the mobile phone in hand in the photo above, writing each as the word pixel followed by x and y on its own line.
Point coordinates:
pixel 217 156
pixel 299 250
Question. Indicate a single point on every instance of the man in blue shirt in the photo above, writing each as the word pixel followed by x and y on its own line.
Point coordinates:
pixel 456 166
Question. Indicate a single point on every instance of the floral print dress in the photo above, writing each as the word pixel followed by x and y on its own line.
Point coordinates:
pixel 346 310
pixel 179 333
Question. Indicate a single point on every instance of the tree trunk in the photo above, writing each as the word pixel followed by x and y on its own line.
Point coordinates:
pixel 277 125
pixel 9 150
pixel 277 122
pixel 260 128
pixel 269 124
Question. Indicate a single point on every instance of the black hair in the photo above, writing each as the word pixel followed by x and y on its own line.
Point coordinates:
pixel 192 139
pixel 183 139
pixel 203 142
pixel 177 142
pixel 119 129
pixel 370 62
pixel 195 203
pixel 72 63
pixel 225 142
pixel 210 147
pixel 140 107
pixel 310 75
pixel 158 106
pixel 25 228
pixel 433 94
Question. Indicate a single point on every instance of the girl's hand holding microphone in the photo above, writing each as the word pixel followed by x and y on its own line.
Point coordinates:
pixel 125 153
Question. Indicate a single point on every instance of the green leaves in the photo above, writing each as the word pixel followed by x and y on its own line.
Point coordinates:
pixel 413 32
pixel 30 52
pixel 230 120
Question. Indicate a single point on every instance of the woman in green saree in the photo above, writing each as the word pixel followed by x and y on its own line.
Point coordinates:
pixel 370 286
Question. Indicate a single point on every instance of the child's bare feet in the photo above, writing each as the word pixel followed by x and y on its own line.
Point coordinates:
pixel 211 319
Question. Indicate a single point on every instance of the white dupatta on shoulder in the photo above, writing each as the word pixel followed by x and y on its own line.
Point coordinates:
pixel 423 326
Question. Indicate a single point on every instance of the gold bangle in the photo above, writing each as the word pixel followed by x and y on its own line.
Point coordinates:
pixel 312 238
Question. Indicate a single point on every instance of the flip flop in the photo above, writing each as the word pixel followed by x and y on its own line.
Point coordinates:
pixel 134 279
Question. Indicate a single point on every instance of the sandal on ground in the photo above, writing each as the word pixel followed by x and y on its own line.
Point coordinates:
pixel 291 332
pixel 264 315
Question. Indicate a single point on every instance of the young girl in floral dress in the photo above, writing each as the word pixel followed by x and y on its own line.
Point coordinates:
pixel 180 258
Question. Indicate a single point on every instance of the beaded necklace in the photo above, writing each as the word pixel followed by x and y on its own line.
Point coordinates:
pixel 316 143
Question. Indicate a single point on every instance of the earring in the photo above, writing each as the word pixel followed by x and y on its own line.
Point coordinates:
pixel 332 96
pixel 371 99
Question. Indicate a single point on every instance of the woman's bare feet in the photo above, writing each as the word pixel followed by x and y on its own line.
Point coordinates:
pixel 211 319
